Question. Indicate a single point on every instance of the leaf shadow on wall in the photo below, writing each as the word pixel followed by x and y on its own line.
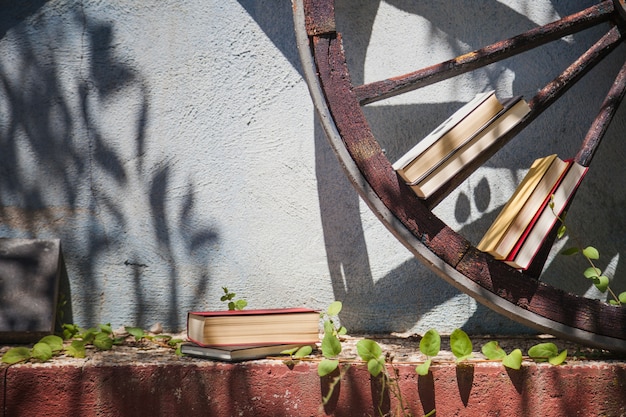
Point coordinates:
pixel 63 173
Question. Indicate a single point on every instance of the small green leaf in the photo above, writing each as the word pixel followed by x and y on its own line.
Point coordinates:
pixel 570 251
pixel 303 351
pixel 328 326
pixel 375 366
pixel 136 332
pixel 622 297
pixel 15 355
pixel 227 295
pixel 430 343
pixel 601 283
pixel 106 328
pixel 175 342
pixel 543 351
pixel 76 349
pixel 42 352
pixel 493 351
pixel 561 232
pixel 591 252
pixel 613 302
pixel 289 351
pixel 327 366
pixel 240 304
pixel 89 334
pixel 559 359
pixel 102 341
pixel 513 360
pixel 55 342
pixel 334 308
pixel 423 369
pixel 368 350
pixel 342 330
pixel 331 346
pixel 69 331
pixel 460 344
pixel 592 272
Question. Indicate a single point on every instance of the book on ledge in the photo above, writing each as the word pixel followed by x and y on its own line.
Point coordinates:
pixel 235 353
pixel 528 199
pixel 522 256
pixel 448 136
pixel 253 327
pixel 514 110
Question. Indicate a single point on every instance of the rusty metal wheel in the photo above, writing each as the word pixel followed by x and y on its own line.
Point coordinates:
pixel 520 296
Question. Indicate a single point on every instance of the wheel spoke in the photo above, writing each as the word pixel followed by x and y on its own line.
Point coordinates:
pixel 556 88
pixel 379 90
pixel 601 123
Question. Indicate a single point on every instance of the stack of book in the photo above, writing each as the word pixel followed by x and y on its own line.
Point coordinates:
pixel 523 225
pixel 467 134
pixel 237 335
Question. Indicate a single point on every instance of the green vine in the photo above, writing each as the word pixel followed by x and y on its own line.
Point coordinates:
pixel 590 254
pixel 232 303
pixel 75 340
pixel 380 365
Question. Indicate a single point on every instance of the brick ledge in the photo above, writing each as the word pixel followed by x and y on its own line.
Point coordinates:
pixel 154 382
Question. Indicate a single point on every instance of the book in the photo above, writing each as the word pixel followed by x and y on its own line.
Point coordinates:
pixel 234 353
pixel 448 136
pixel 526 201
pixel 253 327
pixel 513 111
pixel 522 255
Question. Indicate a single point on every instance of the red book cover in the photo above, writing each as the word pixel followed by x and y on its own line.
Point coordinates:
pixel 520 242
pixel 253 312
pixel 544 222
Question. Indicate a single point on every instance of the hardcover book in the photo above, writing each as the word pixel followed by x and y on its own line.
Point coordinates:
pixel 254 327
pixel 429 152
pixel 522 207
pixel 234 353
pixel 513 112
pixel 522 255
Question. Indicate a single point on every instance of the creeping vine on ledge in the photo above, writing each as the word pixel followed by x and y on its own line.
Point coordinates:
pixel 75 340
pixel 591 254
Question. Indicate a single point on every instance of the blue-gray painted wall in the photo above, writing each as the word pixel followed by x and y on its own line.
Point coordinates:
pixel 173 147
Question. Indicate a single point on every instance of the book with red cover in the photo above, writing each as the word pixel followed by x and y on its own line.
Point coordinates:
pixel 518 245
pixel 522 256
pixel 253 327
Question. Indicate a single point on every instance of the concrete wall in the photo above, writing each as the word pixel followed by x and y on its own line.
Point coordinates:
pixel 173 147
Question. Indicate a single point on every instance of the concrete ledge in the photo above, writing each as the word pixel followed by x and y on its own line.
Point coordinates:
pixel 134 382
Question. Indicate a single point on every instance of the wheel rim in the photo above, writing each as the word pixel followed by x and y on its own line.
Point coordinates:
pixel 338 103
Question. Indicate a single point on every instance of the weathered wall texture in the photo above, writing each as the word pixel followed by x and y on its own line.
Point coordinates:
pixel 173 147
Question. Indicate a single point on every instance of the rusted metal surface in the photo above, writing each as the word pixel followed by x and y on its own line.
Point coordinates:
pixel 380 90
pixel 320 16
pixel 494 283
